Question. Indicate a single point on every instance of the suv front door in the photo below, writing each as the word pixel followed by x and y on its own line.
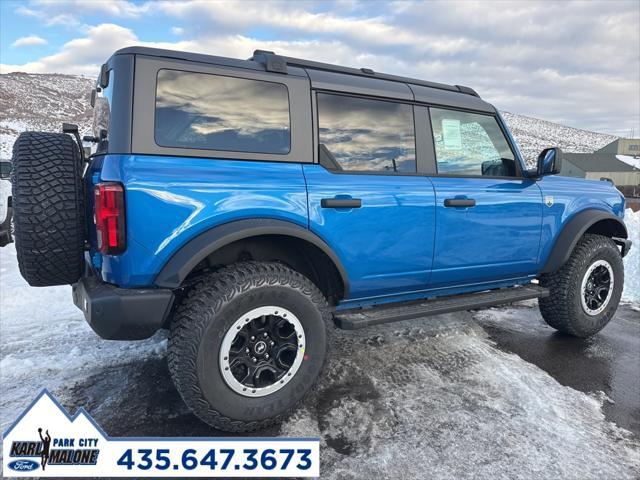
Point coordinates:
pixel 488 216
pixel 366 199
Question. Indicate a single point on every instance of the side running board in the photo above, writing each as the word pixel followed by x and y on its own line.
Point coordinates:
pixel 361 318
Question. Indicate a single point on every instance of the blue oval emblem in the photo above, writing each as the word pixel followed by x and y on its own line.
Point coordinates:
pixel 23 465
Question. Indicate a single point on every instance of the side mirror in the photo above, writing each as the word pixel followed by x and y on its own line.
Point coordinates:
pixel 549 161
pixel 103 79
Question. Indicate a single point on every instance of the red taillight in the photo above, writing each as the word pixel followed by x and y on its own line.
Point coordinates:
pixel 110 221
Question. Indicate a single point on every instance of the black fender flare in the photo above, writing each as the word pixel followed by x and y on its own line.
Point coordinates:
pixel 198 248
pixel 573 231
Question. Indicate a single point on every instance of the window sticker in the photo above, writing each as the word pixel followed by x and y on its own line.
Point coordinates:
pixel 451 134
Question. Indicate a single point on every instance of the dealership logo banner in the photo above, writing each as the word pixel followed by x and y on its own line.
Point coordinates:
pixel 45 441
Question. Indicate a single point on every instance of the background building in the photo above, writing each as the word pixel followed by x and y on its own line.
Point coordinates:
pixel 618 161
pixel 623 146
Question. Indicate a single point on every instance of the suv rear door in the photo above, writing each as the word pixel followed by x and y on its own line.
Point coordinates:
pixel 366 198
pixel 488 216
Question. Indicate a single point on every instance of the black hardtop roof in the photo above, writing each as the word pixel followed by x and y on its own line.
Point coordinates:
pixel 268 61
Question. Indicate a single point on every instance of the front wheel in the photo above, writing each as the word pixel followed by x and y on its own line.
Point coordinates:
pixel 584 292
pixel 247 344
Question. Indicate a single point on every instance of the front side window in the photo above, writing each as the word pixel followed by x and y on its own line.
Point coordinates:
pixel 205 111
pixel 470 144
pixel 358 134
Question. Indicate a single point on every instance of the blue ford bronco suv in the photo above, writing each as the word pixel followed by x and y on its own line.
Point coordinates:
pixel 248 206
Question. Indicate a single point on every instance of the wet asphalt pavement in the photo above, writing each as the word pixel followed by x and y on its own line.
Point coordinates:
pixel 608 362
pixel 473 395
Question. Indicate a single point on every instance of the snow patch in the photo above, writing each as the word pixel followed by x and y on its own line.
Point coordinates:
pixel 629 160
pixel 46 342
pixel 404 404
pixel 631 290
pixel 5 192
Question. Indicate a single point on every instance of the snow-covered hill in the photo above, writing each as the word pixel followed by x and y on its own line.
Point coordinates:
pixel 533 135
pixel 43 102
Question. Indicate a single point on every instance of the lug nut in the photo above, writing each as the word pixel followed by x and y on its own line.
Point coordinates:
pixel 252 338
pixel 264 334
pixel 254 359
pixel 272 343
pixel 266 355
pixel 246 350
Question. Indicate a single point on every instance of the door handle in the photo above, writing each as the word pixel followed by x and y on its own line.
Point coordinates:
pixel 459 202
pixel 341 203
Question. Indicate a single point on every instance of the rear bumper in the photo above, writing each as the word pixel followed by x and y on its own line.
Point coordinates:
pixel 122 313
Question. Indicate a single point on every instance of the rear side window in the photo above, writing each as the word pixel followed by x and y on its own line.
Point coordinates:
pixel 205 111
pixel 359 134
pixel 470 144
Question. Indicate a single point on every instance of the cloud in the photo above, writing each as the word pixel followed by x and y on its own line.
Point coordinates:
pixel 287 16
pixel 69 12
pixel 50 18
pixel 116 8
pixel 29 41
pixel 573 62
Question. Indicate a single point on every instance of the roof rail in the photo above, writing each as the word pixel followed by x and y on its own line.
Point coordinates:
pixel 278 64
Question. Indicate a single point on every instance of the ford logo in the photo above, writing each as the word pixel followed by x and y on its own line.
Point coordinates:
pixel 23 465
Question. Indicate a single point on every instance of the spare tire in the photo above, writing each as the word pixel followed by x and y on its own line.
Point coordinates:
pixel 48 208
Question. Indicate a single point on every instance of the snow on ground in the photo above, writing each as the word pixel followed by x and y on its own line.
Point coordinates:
pixel 46 343
pixel 5 191
pixel 435 398
pixel 632 260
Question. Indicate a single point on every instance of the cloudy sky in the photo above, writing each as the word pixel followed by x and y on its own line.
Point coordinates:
pixel 576 63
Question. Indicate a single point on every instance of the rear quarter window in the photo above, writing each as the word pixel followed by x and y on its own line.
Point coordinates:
pixel 216 112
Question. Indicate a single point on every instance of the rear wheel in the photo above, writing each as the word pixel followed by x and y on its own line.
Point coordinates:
pixel 48 208
pixel 247 344
pixel 585 292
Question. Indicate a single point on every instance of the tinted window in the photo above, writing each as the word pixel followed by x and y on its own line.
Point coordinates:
pixel 470 144
pixel 366 135
pixel 198 110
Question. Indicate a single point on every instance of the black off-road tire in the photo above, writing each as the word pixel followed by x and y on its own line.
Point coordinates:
pixel 563 309
pixel 48 208
pixel 206 314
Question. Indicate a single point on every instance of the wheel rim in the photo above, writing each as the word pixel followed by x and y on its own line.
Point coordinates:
pixel 262 351
pixel 597 287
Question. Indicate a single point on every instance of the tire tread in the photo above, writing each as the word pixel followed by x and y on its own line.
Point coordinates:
pixel 211 294
pixel 48 207
pixel 558 308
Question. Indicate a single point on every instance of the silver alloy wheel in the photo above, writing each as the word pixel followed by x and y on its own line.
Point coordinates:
pixel 597 287
pixel 262 351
